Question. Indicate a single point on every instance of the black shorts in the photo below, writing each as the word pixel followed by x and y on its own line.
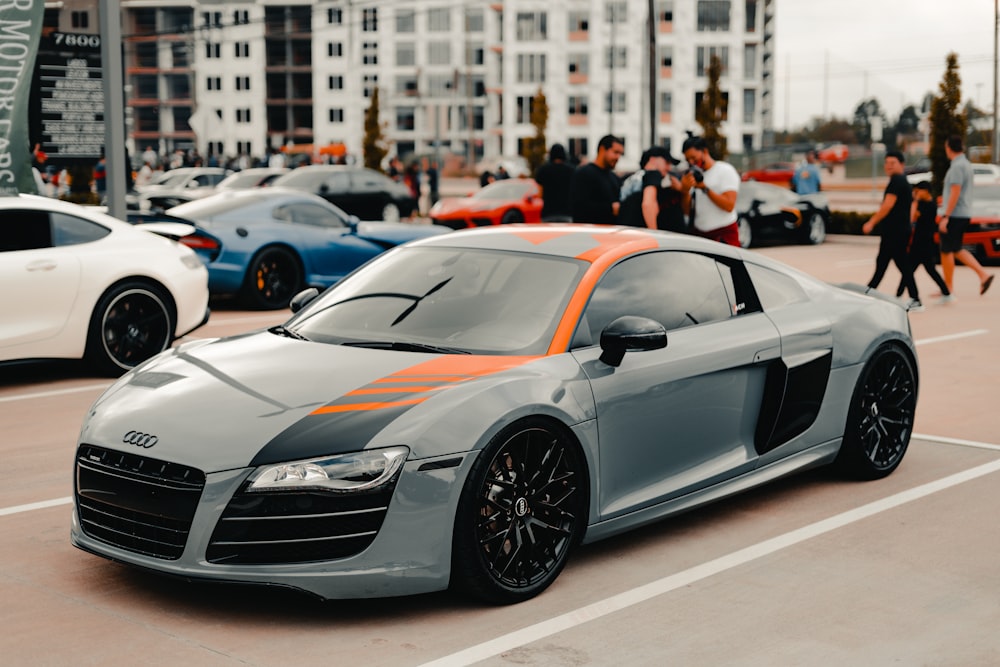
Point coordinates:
pixel 951 241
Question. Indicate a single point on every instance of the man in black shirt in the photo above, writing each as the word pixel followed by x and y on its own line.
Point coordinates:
pixel 555 178
pixel 893 220
pixel 640 193
pixel 595 187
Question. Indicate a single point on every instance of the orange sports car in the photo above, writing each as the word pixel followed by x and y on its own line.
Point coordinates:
pixel 502 202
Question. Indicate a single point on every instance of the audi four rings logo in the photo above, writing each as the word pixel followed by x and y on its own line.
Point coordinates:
pixel 139 439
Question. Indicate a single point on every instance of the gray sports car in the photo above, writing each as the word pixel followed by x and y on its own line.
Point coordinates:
pixel 465 409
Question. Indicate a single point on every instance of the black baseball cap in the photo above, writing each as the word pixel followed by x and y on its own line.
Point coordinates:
pixel 658 151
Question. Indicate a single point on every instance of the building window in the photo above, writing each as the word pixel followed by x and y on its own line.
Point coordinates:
pixel 579 63
pixel 215 147
pixel 713 15
pixel 665 11
pixel 614 57
pixel 474 53
pixel 616 11
pixel 750 61
pixel 336 115
pixel 370 84
pixel 577 147
pixel 335 82
pixel 577 105
pixel 244 148
pixel 666 56
pixel 439 53
pixel 213 83
pixel 335 49
pixel 524 105
pixel 704 56
pixel 405 118
pixel 405 20
pixel 749 105
pixel 208 19
pixel 439 19
pixel 242 83
pixel 579 22
pixel 666 102
pixel 751 15
pixel 243 115
pixel 474 20
pixel 618 98
pixel 405 53
pixel 80 19
pixel 241 17
pixel 242 49
pixel 531 68
pixel 369 53
pixel 439 85
pixel 532 26
pixel 369 20
pixel 334 16
pixel 213 50
pixel 724 111
pixel 406 84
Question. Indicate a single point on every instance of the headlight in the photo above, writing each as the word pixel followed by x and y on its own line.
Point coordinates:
pixel 357 471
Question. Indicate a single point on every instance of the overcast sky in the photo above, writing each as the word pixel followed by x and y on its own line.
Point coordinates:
pixel 832 54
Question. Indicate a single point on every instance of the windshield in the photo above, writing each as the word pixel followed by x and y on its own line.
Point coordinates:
pixel 453 300
pixel 504 190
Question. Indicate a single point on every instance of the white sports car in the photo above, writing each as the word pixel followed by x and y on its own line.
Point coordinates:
pixel 81 284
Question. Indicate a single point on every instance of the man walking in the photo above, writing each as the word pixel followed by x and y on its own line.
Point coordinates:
pixel 956 200
pixel 595 186
pixel 893 221
pixel 806 179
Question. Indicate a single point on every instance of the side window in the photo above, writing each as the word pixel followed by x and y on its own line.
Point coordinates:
pixel 311 214
pixel 71 230
pixel 338 183
pixel 774 289
pixel 25 230
pixel 676 289
pixel 368 181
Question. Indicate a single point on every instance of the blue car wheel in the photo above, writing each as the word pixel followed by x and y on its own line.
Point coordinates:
pixel 273 277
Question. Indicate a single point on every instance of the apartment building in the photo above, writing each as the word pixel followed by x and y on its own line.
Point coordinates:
pixel 454 76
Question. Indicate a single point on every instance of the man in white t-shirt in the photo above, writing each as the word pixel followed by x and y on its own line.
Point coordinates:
pixel 711 186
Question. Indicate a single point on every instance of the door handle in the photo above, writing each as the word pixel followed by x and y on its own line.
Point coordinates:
pixel 767 354
pixel 41 265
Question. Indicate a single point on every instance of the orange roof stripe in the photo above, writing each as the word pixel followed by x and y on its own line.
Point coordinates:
pixel 357 407
pixel 393 390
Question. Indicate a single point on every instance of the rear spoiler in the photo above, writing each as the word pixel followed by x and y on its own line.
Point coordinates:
pixel 171 230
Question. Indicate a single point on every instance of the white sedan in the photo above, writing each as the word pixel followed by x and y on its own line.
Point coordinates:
pixel 81 284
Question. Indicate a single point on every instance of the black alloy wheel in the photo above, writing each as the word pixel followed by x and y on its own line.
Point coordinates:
pixel 273 278
pixel 130 324
pixel 512 216
pixel 523 508
pixel 880 419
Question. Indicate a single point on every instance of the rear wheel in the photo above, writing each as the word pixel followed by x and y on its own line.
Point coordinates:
pixel 273 278
pixel 523 507
pixel 511 217
pixel 130 324
pixel 814 229
pixel 390 212
pixel 745 232
pixel 880 418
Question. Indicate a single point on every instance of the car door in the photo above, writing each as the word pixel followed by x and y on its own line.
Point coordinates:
pixel 329 249
pixel 41 281
pixel 678 419
pixel 337 189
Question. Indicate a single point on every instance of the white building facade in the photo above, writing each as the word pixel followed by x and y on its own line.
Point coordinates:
pixel 454 76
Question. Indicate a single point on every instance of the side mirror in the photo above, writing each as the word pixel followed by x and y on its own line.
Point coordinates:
pixel 353 221
pixel 303 299
pixel 630 333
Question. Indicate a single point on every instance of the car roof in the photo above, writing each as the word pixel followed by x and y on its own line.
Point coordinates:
pixel 591 243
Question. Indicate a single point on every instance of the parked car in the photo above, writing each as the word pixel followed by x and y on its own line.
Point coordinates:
pixel 777 172
pixel 982 237
pixel 767 211
pixel 985 174
pixel 254 177
pixel 464 410
pixel 176 187
pixel 266 244
pixel 832 154
pixel 503 202
pixel 359 191
pixel 79 284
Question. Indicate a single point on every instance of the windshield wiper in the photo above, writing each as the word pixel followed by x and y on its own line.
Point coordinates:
pixel 404 346
pixel 282 330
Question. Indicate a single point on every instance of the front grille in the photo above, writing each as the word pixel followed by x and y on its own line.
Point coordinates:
pixel 136 503
pixel 297 527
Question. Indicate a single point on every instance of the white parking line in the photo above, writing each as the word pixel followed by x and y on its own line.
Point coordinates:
pixel 18 509
pixel 54 392
pixel 697 573
pixel 955 336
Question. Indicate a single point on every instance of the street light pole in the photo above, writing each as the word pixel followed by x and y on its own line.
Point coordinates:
pixel 996 25
pixel 110 23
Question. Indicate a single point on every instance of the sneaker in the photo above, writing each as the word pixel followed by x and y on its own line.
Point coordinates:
pixel 946 298
pixel 914 305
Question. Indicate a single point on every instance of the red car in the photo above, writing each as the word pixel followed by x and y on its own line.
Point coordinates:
pixel 778 172
pixel 502 202
pixel 833 154
pixel 982 239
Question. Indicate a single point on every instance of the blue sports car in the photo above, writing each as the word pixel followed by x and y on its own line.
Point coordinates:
pixel 464 410
pixel 265 245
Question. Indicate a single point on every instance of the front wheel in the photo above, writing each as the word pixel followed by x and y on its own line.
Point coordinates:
pixel 814 230
pixel 511 217
pixel 880 417
pixel 390 213
pixel 130 324
pixel 273 277
pixel 523 507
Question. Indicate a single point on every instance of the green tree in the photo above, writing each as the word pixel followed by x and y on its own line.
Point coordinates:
pixel 534 147
pixel 713 111
pixel 374 145
pixel 946 119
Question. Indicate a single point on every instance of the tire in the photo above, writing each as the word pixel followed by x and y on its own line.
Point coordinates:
pixel 522 510
pixel 273 277
pixel 814 229
pixel 132 322
pixel 390 213
pixel 880 417
pixel 511 217
pixel 745 232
